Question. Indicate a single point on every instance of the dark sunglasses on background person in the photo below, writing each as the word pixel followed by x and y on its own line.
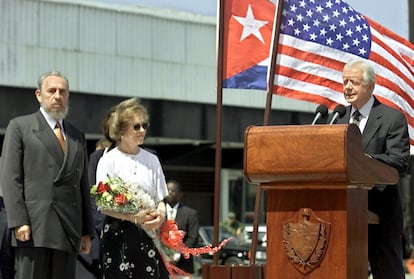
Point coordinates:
pixel 143 125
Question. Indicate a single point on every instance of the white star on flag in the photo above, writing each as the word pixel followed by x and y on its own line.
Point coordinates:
pixel 251 25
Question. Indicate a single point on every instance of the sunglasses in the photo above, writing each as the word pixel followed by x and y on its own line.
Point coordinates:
pixel 138 126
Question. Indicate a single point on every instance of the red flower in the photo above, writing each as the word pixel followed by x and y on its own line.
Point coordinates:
pixel 102 188
pixel 120 199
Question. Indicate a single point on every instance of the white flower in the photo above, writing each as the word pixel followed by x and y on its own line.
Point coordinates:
pixel 106 228
pixel 151 253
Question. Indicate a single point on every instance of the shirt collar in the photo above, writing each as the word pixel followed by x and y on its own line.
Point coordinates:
pixel 366 109
pixel 173 208
pixel 50 120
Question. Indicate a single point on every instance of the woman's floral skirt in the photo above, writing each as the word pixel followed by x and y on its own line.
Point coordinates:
pixel 128 252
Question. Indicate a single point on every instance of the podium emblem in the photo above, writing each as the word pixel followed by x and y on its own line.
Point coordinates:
pixel 306 241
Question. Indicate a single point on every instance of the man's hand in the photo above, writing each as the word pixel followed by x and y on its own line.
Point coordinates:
pixel 85 244
pixel 22 233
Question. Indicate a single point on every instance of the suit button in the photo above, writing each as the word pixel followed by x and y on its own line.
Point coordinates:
pixel 74 186
pixel 74 204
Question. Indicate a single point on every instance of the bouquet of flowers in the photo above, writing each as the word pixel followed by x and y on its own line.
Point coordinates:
pixel 115 194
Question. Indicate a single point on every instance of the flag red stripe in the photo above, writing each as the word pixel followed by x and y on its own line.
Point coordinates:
pixel 287 92
pixel 310 57
pixel 408 59
pixel 386 63
pixel 309 78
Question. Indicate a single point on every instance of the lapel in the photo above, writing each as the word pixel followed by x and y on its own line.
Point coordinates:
pixel 373 123
pixel 71 144
pixel 46 136
pixel 178 216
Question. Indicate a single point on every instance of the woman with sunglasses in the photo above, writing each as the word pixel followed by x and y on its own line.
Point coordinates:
pixel 127 251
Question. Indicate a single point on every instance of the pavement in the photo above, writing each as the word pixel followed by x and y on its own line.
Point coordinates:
pixel 193 277
pixel 86 275
pixel 407 276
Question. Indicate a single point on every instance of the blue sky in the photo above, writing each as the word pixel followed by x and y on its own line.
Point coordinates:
pixel 391 14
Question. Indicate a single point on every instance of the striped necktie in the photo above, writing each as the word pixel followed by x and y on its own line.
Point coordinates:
pixel 357 117
pixel 59 135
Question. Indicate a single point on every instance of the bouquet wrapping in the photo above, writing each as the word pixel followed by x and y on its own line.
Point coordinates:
pixel 114 194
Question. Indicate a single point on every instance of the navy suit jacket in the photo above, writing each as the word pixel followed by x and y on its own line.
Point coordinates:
pixel 385 138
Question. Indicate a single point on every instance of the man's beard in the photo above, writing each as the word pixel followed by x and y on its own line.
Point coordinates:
pixel 56 114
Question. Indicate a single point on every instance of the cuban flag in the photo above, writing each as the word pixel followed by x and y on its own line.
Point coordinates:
pixel 247 31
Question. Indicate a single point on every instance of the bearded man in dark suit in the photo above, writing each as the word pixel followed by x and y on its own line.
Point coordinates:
pixel 384 138
pixel 186 219
pixel 45 186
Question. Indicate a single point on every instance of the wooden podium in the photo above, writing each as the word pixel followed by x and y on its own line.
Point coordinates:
pixel 316 179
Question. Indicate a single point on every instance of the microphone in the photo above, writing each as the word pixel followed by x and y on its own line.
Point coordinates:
pixel 339 111
pixel 321 112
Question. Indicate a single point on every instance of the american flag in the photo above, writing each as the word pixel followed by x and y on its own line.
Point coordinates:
pixel 318 37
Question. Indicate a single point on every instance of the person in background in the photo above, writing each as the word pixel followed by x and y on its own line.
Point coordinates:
pixel 232 225
pixel 127 251
pixel 186 219
pixel 103 143
pixel 45 186
pixel 102 146
pixel 384 138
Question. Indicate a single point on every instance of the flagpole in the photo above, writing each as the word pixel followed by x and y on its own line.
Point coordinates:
pixel 411 20
pixel 272 64
pixel 219 109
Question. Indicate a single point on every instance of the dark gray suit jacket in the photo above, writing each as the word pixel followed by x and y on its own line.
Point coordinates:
pixel 386 139
pixel 43 187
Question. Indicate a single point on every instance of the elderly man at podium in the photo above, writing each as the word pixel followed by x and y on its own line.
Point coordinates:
pixel 385 138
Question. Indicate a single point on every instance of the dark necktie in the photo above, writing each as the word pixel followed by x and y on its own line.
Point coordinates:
pixel 59 135
pixel 357 117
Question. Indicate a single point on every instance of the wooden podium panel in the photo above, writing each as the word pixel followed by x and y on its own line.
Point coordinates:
pixel 316 179
pixel 233 271
pixel 344 209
